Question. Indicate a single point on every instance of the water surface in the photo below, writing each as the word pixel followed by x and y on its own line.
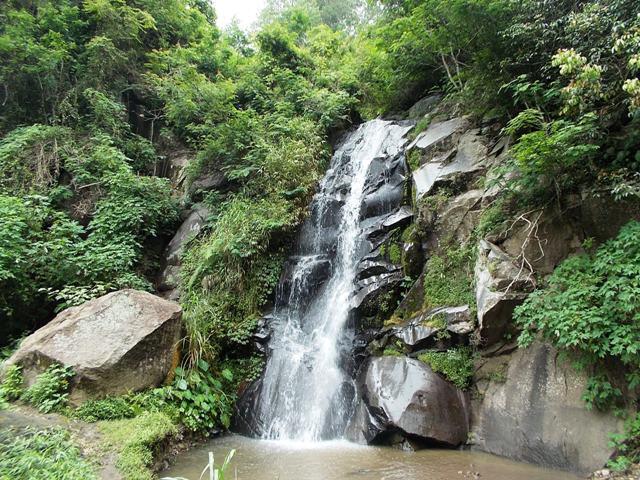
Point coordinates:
pixel 336 460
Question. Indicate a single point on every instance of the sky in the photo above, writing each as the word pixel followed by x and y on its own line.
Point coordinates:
pixel 246 11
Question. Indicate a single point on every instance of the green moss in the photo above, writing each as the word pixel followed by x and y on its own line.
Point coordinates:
pixel 395 253
pixel 134 440
pixel 491 219
pixel 456 365
pixel 449 278
pixel 413 159
pixel 437 321
pixel 392 352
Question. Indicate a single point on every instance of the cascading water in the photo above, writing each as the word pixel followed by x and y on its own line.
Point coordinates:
pixel 306 392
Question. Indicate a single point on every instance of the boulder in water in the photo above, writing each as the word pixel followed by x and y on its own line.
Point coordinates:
pixel 403 395
pixel 123 341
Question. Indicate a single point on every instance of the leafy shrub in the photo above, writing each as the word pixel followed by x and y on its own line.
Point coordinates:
pixel 48 453
pixel 11 387
pixel 590 308
pixel 626 445
pixel 109 408
pixel 135 439
pixel 200 398
pixel 456 365
pixel 50 390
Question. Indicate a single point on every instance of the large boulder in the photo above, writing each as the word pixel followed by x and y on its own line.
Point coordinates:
pixel 403 395
pixel 535 413
pixel 126 340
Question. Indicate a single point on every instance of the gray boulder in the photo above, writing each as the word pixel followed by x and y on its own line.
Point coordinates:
pixel 189 229
pixel 537 415
pixel 500 288
pixel 126 340
pixel 403 395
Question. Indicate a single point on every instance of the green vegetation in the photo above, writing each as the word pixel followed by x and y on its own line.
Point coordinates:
pixel 455 364
pixel 11 388
pixel 627 445
pixel 48 453
pixel 109 408
pixel 448 280
pixel 50 390
pixel 201 399
pixel 590 309
pixel 134 440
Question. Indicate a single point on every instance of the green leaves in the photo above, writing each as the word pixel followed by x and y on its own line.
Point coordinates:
pixel 200 398
pixel 50 390
pixel 592 308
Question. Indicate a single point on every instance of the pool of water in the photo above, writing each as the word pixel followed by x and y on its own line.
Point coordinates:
pixel 336 460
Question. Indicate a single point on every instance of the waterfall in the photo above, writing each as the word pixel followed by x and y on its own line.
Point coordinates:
pixel 306 392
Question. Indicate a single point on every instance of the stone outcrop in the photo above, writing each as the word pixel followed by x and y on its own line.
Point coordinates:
pixel 189 229
pixel 403 396
pixel 124 341
pixel 535 413
pixel 424 329
pixel 448 157
pixel 499 290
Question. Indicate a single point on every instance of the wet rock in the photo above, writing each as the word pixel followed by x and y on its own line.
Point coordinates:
pixel 412 259
pixel 500 288
pixel 439 134
pixel 424 106
pixel 188 230
pixel 404 395
pixel 371 288
pixel 213 179
pixel 460 216
pixel 537 415
pixel 453 168
pixel 421 331
pixel 124 341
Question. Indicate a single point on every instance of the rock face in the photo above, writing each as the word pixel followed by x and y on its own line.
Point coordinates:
pixel 499 287
pixel 537 415
pixel 403 395
pixel 422 330
pixel 125 340
pixel 449 156
pixel 189 229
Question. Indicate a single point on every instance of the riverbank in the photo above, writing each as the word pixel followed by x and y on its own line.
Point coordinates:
pixel 105 446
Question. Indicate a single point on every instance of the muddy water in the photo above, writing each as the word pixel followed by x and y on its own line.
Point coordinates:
pixel 337 460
